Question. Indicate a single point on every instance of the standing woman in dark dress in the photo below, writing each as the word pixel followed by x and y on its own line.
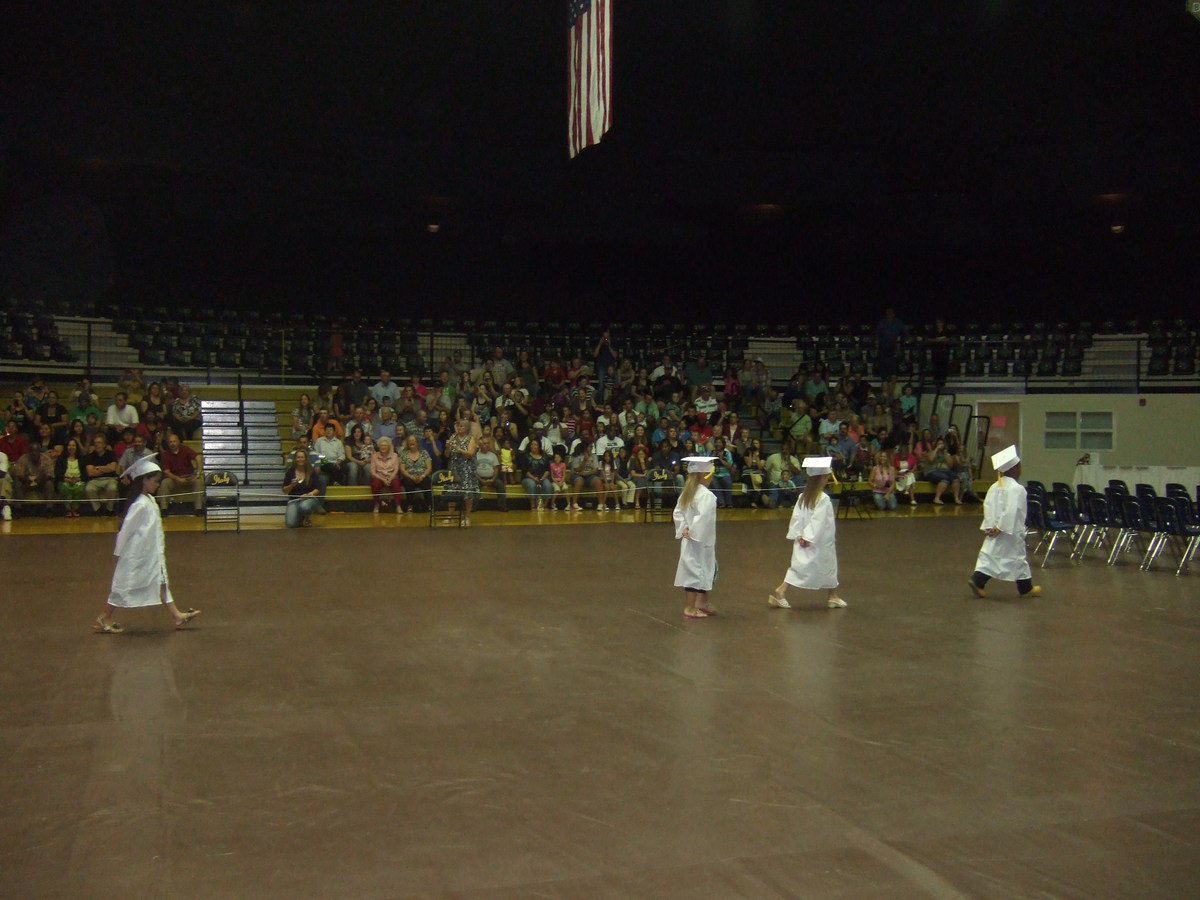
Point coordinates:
pixel 460 450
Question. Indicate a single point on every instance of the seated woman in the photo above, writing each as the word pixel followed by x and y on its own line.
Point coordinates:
pixel 724 471
pixel 558 480
pixel 883 482
pixel 416 475
pixel 960 464
pixel 584 473
pixel 359 450
pixel 608 481
pixel 69 475
pixel 185 413
pixel 625 484
pixel 536 477
pixel 905 462
pixel 939 471
pixel 304 487
pixel 384 471
pixel 864 456
pixel 639 474
pixel 155 400
pixel 754 477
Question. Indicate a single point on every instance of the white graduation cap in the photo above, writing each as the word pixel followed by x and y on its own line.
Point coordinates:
pixel 700 464
pixel 1005 459
pixel 817 465
pixel 144 465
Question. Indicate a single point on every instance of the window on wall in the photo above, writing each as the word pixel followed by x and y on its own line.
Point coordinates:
pixel 1079 431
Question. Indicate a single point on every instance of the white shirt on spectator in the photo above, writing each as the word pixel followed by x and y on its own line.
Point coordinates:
pixel 486 464
pixel 389 391
pixel 605 443
pixel 331 448
pixel 124 417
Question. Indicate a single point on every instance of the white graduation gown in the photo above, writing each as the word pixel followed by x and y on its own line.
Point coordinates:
pixel 698 552
pixel 813 567
pixel 1003 556
pixel 141 557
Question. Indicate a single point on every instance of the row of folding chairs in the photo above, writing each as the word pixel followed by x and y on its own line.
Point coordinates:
pixel 1117 521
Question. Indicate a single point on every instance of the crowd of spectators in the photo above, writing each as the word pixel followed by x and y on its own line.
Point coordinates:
pixel 67 455
pixel 597 430
pixel 571 438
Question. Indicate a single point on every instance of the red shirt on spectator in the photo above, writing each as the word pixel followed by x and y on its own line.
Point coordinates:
pixel 14 445
pixel 178 463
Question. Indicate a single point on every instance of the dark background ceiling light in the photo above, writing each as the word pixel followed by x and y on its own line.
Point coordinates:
pixel 943 156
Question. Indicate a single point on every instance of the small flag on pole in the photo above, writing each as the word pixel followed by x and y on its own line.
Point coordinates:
pixel 591 72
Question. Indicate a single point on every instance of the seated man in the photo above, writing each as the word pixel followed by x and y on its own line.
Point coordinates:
pixel 775 464
pixel 783 491
pixel 13 444
pixel 331 452
pixel 181 474
pixel 132 454
pixel 33 477
pixel 121 415
pixel 487 467
pixel 100 469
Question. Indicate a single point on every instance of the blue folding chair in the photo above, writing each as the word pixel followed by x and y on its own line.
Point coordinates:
pixel 1095 533
pixel 1053 527
pixel 1167 533
pixel 1130 527
pixel 1189 525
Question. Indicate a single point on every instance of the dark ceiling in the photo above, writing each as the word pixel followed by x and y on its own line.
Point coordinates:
pixel 939 155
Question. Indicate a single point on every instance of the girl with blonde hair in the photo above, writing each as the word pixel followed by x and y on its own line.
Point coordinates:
pixel 812 531
pixel 695 519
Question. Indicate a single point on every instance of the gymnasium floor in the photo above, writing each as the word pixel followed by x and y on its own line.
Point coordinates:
pixel 394 711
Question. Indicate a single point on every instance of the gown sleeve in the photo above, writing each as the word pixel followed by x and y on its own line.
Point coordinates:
pixel 820 525
pixel 798 521
pixel 993 507
pixel 704 519
pixel 680 521
pixel 1011 519
pixel 135 522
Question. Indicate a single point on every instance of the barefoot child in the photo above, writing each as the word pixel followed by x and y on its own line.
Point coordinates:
pixel 1003 552
pixel 140 578
pixel 695 518
pixel 812 531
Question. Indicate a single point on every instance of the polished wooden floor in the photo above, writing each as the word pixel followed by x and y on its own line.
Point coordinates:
pixel 395 711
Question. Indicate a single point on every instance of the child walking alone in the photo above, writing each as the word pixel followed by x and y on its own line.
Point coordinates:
pixel 140 578
pixel 695 518
pixel 813 533
pixel 1003 552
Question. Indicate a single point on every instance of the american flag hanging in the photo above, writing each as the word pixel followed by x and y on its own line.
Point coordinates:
pixel 591 72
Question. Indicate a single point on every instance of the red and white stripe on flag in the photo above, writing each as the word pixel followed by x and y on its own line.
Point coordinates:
pixel 591 72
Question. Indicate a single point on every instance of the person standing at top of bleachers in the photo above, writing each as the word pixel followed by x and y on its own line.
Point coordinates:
pixel 385 389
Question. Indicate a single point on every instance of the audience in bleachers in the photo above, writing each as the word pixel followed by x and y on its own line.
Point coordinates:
pixel 610 427
pixel 64 456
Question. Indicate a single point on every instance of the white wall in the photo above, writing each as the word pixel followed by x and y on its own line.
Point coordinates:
pixel 1148 430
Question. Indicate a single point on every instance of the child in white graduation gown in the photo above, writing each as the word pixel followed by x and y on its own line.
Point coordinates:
pixel 140 577
pixel 695 519
pixel 812 531
pixel 1003 552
